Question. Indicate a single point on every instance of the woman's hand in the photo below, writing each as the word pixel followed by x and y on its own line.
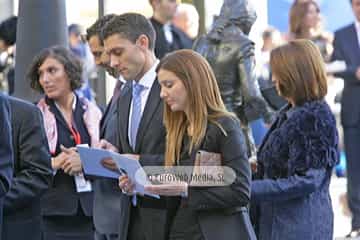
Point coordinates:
pixel 175 189
pixel 253 164
pixel 168 188
pixel 72 164
pixel 58 161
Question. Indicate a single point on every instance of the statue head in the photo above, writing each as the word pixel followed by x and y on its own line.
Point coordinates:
pixel 239 12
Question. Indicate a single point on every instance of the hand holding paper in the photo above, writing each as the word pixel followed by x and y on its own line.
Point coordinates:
pixel 171 188
pixel 126 185
pixel 72 164
pixel 100 162
pixel 103 144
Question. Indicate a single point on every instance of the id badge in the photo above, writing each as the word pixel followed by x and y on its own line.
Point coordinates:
pixel 82 185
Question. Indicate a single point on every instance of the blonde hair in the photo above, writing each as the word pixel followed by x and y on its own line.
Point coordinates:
pixel 204 99
pixel 299 71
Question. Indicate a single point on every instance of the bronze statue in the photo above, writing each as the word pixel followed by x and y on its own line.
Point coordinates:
pixel 231 54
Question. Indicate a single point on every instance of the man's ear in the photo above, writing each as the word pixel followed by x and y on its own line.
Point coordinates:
pixel 143 41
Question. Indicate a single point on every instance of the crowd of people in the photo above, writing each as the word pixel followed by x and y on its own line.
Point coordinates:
pixel 182 102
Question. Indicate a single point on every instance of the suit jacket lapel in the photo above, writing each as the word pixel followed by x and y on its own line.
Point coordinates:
pixel 105 119
pixel 123 113
pixel 354 41
pixel 152 104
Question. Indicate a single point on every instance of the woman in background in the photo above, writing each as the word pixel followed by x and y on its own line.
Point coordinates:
pixel 305 23
pixel 69 120
pixel 296 158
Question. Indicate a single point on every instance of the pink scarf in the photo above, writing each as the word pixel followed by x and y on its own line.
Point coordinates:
pixel 91 117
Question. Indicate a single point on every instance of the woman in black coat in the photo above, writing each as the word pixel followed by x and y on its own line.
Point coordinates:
pixel 196 119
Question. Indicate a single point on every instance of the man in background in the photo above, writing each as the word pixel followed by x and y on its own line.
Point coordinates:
pixel 347 49
pixel 32 173
pixel 7 55
pixel 108 199
pixel 186 18
pixel 80 48
pixel 168 37
pixel 6 152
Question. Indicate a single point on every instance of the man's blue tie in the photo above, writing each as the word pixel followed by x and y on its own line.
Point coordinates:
pixel 136 113
pixel 135 119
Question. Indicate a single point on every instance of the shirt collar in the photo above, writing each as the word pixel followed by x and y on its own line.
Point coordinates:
pixel 357 25
pixel 167 26
pixel 149 77
pixel 121 79
pixel 73 103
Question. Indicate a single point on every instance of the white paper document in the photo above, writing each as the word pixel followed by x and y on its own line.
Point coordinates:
pixel 91 159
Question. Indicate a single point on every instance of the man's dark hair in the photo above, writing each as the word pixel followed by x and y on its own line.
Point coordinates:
pixel 8 30
pixel 130 26
pixel 71 63
pixel 95 29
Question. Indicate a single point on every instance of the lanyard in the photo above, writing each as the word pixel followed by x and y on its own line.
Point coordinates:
pixel 75 134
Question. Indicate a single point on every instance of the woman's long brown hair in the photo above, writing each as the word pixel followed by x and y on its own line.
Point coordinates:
pixel 204 101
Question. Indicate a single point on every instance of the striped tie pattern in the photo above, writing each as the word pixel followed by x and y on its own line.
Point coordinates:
pixel 136 112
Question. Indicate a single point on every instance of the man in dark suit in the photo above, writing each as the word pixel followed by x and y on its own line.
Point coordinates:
pixel 32 173
pixel 168 37
pixel 6 152
pixel 129 40
pixel 108 199
pixel 347 48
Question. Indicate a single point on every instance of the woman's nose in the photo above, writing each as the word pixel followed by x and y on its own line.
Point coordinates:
pixel 162 93
pixel 44 77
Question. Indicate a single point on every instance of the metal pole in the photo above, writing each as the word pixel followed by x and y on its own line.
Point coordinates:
pixel 41 24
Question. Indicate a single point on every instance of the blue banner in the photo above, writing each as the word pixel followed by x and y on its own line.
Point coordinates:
pixel 335 13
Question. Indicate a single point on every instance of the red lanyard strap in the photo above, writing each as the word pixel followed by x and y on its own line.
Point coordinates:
pixel 75 134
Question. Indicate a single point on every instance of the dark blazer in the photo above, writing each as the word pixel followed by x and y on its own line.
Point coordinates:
pixel 162 47
pixel 295 163
pixel 32 173
pixel 222 210
pixel 62 199
pixel 150 145
pixel 346 48
pixel 6 152
pixel 108 199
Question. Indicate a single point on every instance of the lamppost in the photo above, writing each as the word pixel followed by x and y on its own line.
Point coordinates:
pixel 41 24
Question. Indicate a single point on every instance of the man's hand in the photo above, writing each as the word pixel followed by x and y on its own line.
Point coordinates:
pixel 103 144
pixel 126 185
pixel 131 156
pixel 357 73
